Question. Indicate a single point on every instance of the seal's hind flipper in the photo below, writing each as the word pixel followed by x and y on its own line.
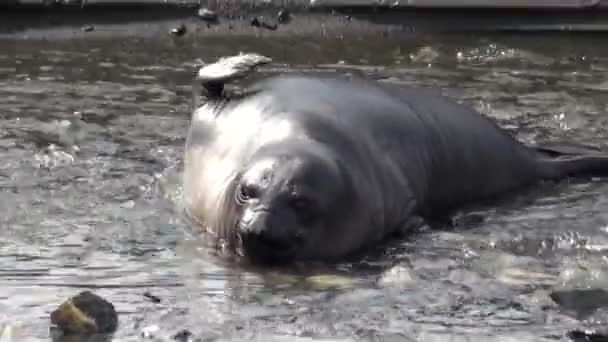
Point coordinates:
pixel 560 160
pixel 228 69
pixel 587 165
pixel 561 149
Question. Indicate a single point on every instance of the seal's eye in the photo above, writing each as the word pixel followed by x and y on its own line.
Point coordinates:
pixel 245 193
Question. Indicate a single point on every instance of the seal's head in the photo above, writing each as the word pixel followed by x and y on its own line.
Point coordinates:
pixel 285 203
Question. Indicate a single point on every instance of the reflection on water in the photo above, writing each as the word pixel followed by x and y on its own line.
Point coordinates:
pixel 91 142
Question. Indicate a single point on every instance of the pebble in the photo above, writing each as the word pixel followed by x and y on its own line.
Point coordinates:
pixel 152 297
pixel 182 336
pixel 150 331
pixel 207 15
pixel 582 301
pixel 587 336
pixel 178 31
pixel 284 16
pixel 261 22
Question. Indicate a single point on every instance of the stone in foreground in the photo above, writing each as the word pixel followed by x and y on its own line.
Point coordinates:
pixel 85 313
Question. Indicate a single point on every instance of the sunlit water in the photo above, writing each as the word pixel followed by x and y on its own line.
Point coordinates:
pixel 91 143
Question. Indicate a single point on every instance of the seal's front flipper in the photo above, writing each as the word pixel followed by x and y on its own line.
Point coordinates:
pixel 208 93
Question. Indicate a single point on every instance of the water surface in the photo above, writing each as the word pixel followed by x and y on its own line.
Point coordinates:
pixel 91 143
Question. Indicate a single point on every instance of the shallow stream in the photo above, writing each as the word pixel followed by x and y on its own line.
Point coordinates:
pixel 91 142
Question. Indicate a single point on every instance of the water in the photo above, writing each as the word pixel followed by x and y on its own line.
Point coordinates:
pixel 91 142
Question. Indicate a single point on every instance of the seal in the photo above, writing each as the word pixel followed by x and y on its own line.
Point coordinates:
pixel 303 167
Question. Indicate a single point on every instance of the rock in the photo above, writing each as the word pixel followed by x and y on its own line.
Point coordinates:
pixel 88 28
pixel 284 16
pixel 207 15
pixel 261 22
pixel 583 302
pixel 150 332
pixel 178 31
pixel 152 297
pixel 587 336
pixel 85 313
pixel 182 336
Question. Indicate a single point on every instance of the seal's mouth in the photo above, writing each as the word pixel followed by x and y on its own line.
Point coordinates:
pixel 259 249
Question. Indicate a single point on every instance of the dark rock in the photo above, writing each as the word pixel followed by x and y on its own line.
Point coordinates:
pixel 88 28
pixel 583 302
pixel 152 297
pixel 262 23
pixel 587 336
pixel 207 15
pixel 284 16
pixel 182 336
pixel 179 31
pixel 85 313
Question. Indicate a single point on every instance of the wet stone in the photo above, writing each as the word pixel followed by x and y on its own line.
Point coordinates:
pixel 182 336
pixel 178 31
pixel 85 313
pixel 149 332
pixel 284 16
pixel 263 23
pixel 582 301
pixel 207 15
pixel 588 336
pixel 152 297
